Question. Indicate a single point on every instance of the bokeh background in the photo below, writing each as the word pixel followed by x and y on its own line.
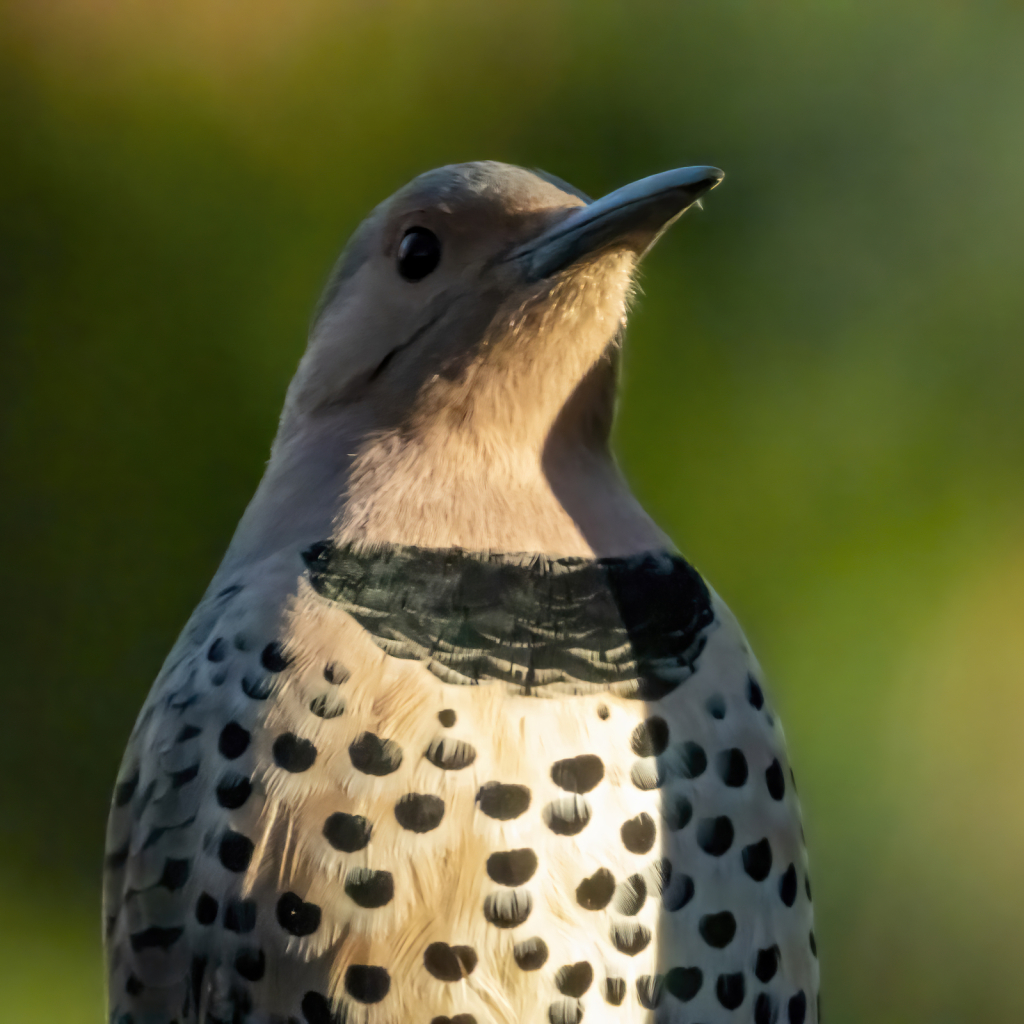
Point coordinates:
pixel 822 397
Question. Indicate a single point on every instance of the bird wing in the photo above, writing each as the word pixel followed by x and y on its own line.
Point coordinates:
pixel 188 766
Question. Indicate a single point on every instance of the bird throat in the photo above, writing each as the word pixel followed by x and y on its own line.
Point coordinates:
pixel 633 627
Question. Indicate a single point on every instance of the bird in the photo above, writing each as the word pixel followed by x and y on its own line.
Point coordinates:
pixel 456 735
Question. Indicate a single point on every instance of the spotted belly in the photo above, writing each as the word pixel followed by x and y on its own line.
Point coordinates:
pixel 382 846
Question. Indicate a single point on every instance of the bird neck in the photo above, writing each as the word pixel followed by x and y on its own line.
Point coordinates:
pixel 329 481
pixel 557 491
pixel 546 484
pixel 569 500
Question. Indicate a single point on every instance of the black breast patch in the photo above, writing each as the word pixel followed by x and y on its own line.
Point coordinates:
pixel 632 626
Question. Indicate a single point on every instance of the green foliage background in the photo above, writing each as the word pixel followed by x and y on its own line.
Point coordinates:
pixel 822 398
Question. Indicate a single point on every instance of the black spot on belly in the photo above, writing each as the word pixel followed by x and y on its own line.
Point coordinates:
pixel 647 774
pixel 235 851
pixel 459 1018
pixel 184 777
pixel 731 766
pixel 648 990
pixel 776 780
pixel 512 867
pixel 240 916
pixel 659 875
pixel 294 754
pixel 449 963
pixel 565 1011
pixel 155 938
pixel 251 964
pixel 691 761
pixel 206 909
pixel 678 892
pixel 327 706
pixel 197 972
pixel 798 1008
pixel 715 835
pixel 684 982
pixel 650 737
pixel 578 774
pixel 595 892
pixel 347 832
pixel 259 688
pixel 446 717
pixel 757 859
pixel 503 801
pixel 567 816
pixel 419 812
pixel 218 650
pixel 638 833
pixel 273 659
pixel 316 1009
pixel 767 964
pixel 715 705
pixel 677 811
pixel 807 886
pixel 787 886
pixel 629 937
pixel 133 986
pixel 233 791
pixel 175 873
pixel 574 979
pixel 530 954
pixel 233 741
pixel 369 888
pixel 508 909
pixel 367 984
pixel 631 895
pixel 813 944
pixel 144 797
pixel 764 1010
pixel 296 916
pixel 602 712
pixel 730 989
pixel 179 702
pixel 754 693
pixel 451 755
pixel 718 930
pixel 125 790
pixel 614 991
pixel 373 756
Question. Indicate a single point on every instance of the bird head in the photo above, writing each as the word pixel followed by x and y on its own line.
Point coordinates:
pixel 478 297
pixel 459 382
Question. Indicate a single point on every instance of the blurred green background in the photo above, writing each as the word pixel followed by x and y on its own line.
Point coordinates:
pixel 822 397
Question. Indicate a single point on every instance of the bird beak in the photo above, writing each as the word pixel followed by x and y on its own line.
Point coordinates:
pixel 633 217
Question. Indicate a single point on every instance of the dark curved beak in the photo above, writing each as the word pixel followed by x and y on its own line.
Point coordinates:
pixel 633 217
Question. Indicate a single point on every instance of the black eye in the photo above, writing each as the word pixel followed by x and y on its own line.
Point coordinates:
pixel 418 254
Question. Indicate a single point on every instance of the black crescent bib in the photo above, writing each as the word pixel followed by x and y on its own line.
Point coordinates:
pixel 633 626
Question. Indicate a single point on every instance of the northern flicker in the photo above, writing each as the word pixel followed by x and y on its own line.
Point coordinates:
pixel 456 736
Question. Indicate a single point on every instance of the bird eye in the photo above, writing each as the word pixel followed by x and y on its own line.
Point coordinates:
pixel 418 254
